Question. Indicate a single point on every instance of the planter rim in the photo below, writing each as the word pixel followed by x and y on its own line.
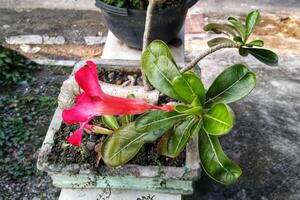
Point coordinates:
pixel 188 173
pixel 125 11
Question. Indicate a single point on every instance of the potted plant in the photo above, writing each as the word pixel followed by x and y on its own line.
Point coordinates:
pixel 126 19
pixel 188 120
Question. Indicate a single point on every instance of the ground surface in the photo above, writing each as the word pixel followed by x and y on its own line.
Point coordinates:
pixel 26 111
pixel 72 25
pixel 265 141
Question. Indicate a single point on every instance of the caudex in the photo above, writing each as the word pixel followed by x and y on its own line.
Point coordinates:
pixel 129 123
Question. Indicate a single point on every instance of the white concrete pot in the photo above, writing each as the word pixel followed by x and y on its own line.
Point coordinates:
pixel 176 180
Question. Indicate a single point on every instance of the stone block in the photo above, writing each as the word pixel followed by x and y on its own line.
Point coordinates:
pixel 93 40
pixel 93 194
pixel 53 40
pixel 24 39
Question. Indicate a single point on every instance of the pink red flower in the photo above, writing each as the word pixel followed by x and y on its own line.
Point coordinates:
pixel 94 102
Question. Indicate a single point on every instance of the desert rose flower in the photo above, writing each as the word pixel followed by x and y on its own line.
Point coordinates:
pixel 94 102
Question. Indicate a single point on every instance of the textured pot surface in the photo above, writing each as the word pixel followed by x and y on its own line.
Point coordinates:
pixel 177 180
pixel 128 25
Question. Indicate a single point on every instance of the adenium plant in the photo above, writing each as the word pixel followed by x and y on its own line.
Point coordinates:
pixel 196 111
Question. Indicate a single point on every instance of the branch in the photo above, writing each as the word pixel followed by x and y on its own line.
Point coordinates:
pixel 149 17
pixel 147 32
pixel 207 52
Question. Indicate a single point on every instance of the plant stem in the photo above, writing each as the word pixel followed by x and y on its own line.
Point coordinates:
pixel 146 39
pixel 207 52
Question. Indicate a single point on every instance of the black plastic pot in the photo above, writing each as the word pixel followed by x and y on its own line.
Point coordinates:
pixel 128 25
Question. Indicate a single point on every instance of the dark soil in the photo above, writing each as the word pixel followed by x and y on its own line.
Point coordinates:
pixel 63 153
pixel 148 155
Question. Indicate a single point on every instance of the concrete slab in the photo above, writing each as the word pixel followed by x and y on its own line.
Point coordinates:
pixel 115 49
pixel 106 194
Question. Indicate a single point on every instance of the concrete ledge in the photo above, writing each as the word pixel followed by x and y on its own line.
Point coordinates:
pixel 53 4
pixel 93 194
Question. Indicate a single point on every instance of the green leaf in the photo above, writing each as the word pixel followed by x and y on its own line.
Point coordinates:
pixel 218 120
pixel 251 22
pixel 160 68
pixel 156 120
pixel 243 52
pixel 162 145
pixel 239 26
pixel 122 146
pixel 188 86
pixel 238 39
pixel 195 110
pixel 110 121
pixel 182 135
pixel 258 43
pixel 126 119
pixel 152 136
pixel 219 28
pixel 214 161
pixel 264 55
pixel 220 40
pixel 232 84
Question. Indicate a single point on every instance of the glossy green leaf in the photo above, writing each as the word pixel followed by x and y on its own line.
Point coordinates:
pixel 219 28
pixel 231 85
pixel 156 120
pixel 218 120
pixel 153 136
pixel 243 52
pixel 196 103
pixel 160 68
pixel 214 161
pixel 122 146
pixel 238 39
pixel 258 43
pixel 126 119
pixel 264 55
pixel 188 110
pixel 220 40
pixel 110 121
pixel 239 26
pixel 162 145
pixel 251 22
pixel 197 128
pixel 188 86
pixel 182 135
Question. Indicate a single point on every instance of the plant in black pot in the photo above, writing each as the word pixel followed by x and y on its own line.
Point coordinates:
pixel 126 19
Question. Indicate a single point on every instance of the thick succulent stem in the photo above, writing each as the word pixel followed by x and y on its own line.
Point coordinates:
pixel 146 39
pixel 207 52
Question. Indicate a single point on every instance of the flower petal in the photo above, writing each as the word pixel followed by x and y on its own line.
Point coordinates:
pixel 111 105
pixel 87 78
pixel 76 138
pixel 82 110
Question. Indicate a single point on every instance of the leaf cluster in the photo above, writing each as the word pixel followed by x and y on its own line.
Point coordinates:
pixel 140 4
pixel 239 33
pixel 19 116
pixel 198 112
pixel 14 67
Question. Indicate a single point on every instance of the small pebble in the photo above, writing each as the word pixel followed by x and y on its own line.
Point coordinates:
pixel 118 82
pixel 111 75
pixel 6 26
pixel 90 145
pixel 28 49
pixel 139 81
